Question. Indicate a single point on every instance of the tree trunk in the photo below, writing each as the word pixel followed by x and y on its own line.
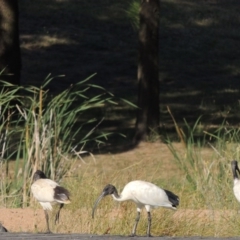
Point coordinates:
pixel 10 56
pixel 148 82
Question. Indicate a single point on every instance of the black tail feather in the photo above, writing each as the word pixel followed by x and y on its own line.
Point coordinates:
pixel 174 199
pixel 61 194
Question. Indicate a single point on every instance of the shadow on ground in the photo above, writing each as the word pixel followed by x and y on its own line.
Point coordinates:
pixel 199 60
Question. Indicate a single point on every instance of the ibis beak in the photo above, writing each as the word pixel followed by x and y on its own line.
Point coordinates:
pixel 97 202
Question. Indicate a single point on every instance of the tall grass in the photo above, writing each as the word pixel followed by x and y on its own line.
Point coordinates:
pixel 7 95
pixel 205 161
pixel 45 132
pixel 198 172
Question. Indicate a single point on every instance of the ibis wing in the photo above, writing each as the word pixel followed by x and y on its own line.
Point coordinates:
pixel 61 194
pixel 145 193
pixel 42 190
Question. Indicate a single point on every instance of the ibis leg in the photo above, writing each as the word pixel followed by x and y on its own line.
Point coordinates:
pixel 149 224
pixel 47 221
pixel 135 225
pixel 58 213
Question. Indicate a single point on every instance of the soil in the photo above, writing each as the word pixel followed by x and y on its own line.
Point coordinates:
pixel 22 220
pixel 33 220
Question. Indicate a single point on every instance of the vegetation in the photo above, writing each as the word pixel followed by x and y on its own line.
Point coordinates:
pixel 44 132
pixel 198 171
pixel 199 74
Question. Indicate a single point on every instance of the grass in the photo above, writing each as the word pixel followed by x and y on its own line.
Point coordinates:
pixel 207 208
pixel 200 175
pixel 112 169
pixel 199 75
pixel 49 133
pixel 196 169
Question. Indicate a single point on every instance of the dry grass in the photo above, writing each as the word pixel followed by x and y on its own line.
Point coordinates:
pixel 151 162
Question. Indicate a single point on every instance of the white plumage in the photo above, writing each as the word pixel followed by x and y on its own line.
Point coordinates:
pixel 236 181
pixel 43 191
pixel 144 194
pixel 47 192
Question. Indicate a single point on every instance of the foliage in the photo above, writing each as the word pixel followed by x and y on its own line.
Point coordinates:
pixel 192 34
pixel 198 172
pixel 132 13
pixel 208 176
pixel 46 132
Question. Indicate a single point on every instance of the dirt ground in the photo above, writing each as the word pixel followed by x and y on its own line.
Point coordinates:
pixel 33 220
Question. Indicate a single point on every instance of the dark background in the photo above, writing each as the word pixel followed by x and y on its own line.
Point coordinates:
pixel 199 56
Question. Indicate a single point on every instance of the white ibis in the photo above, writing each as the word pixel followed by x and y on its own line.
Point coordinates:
pixel 236 181
pixel 144 194
pixel 48 192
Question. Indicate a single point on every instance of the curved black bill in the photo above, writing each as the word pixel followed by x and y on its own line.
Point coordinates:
pixel 97 202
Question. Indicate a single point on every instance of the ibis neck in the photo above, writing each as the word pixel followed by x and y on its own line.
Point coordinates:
pixel 235 176
pixel 117 197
